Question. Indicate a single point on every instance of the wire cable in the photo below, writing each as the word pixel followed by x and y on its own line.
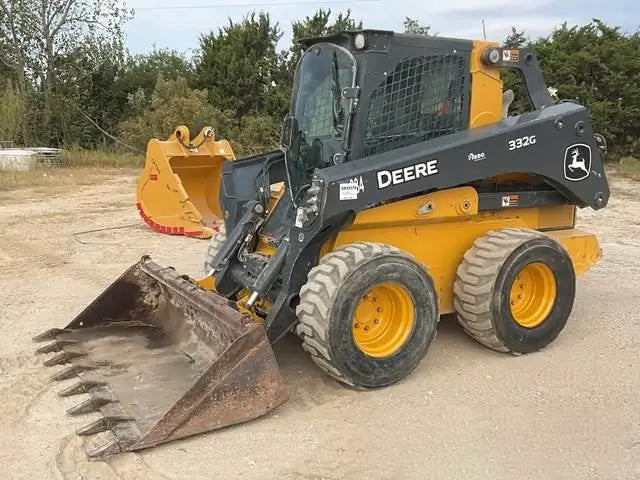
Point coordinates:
pixel 102 130
pixel 96 230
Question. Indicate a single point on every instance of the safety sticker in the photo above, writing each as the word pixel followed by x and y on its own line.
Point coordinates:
pixel 510 200
pixel 351 189
pixel 511 56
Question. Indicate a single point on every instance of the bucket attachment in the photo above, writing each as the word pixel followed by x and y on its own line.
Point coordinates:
pixel 177 192
pixel 161 358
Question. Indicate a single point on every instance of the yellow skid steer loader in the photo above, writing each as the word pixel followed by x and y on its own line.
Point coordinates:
pixel 408 194
pixel 178 189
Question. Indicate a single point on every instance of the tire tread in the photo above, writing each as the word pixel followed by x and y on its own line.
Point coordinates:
pixel 319 293
pixel 475 280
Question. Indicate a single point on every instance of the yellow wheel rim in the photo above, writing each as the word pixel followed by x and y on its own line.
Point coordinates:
pixel 532 295
pixel 383 320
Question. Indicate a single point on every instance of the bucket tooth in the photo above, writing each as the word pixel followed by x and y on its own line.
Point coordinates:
pixel 110 448
pixel 64 357
pixel 56 346
pixel 101 425
pixel 80 387
pixel 70 372
pixel 87 406
pixel 99 398
pixel 50 334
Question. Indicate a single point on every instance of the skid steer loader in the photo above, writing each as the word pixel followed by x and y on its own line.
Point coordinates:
pixel 178 189
pixel 408 196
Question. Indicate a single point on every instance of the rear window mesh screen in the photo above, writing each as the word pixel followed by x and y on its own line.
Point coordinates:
pixel 421 99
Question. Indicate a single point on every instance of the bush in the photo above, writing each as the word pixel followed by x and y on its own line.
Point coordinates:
pixel 173 103
pixel 598 65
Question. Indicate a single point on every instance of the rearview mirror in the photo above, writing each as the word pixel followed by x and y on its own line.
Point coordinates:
pixel 289 128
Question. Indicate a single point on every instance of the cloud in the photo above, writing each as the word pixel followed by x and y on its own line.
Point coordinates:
pixel 180 28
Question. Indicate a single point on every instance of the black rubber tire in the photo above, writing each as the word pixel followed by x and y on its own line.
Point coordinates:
pixel 216 241
pixel 485 276
pixel 328 301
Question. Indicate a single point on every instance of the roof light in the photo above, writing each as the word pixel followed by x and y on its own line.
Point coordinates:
pixel 360 41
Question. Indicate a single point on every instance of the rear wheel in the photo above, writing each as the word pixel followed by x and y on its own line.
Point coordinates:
pixel 368 314
pixel 215 243
pixel 514 290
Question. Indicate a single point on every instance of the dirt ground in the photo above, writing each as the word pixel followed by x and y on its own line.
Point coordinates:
pixel 571 411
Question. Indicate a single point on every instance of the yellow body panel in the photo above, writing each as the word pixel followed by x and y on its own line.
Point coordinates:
pixel 177 191
pixel 440 237
pixel 486 99
pixel 583 247
pixel 486 89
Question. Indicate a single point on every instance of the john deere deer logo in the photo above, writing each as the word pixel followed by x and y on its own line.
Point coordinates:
pixel 577 162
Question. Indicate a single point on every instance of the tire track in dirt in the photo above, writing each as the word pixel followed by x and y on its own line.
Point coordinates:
pixel 12 364
pixel 71 463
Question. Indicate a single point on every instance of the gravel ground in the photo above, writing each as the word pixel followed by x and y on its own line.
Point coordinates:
pixel 571 411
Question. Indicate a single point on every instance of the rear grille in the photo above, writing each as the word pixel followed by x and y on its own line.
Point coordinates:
pixel 421 99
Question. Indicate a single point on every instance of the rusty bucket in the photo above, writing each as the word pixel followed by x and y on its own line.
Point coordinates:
pixel 161 358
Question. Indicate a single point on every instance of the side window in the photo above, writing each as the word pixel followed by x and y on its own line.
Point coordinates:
pixel 422 98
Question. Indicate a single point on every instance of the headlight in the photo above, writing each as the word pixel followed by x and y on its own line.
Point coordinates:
pixel 491 56
pixel 360 41
pixel 309 207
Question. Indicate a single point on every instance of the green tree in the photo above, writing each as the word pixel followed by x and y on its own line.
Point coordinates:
pixel 318 25
pixel 140 74
pixel 599 66
pixel 41 41
pixel 414 27
pixel 237 64
pixel 515 39
pixel 86 85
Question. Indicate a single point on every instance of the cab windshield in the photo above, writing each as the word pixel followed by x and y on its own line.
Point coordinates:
pixel 319 110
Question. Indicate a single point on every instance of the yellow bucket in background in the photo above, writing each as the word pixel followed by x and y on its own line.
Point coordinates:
pixel 177 191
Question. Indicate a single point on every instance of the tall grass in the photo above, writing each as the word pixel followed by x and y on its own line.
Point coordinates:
pixel 100 158
pixel 77 167
pixel 630 167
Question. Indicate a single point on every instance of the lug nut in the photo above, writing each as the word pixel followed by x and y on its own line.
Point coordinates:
pixel 366 328
pixel 356 325
pixel 376 321
pixel 379 309
pixel 519 296
pixel 522 285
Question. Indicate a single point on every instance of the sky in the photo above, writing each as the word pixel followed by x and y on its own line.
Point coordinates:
pixel 178 25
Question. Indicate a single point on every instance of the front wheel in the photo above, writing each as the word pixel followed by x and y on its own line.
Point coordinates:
pixel 367 314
